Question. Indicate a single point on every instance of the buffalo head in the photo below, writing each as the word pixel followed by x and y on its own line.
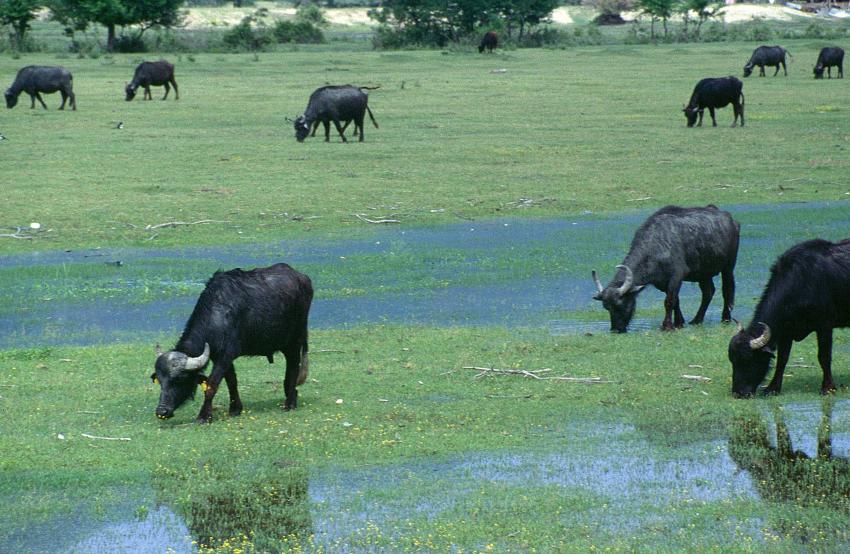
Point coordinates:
pixel 750 356
pixel 130 91
pixel 619 301
pixel 11 99
pixel 748 69
pixel 178 376
pixel 691 114
pixel 818 71
pixel 302 128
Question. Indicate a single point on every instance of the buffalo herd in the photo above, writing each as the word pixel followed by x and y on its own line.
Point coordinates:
pixel 265 310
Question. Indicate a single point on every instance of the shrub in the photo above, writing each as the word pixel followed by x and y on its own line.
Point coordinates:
pixel 130 43
pixel 300 32
pixel 245 37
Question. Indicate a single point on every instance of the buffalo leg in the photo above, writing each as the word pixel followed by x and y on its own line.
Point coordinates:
pixel 713 119
pixel 672 314
pixel 64 99
pixel 700 118
pixel 359 123
pixel 327 125
pixel 707 288
pixel 167 90
pixel 728 277
pixel 293 367
pixel 315 126
pixel 147 95
pixel 73 100
pixel 176 92
pixel 825 360
pixel 339 130
pixel 782 354
pixel 235 401
pixel 220 369
pixel 37 96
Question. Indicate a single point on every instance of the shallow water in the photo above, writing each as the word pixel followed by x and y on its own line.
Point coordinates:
pixel 499 272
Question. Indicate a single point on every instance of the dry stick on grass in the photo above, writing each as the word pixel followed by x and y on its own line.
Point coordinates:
pixel 367 220
pixel 534 374
pixel 700 378
pixel 177 223
pixel 17 235
pixel 86 435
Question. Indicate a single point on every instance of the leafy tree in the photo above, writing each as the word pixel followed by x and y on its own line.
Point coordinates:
pixel 117 13
pixel 526 13
pixel 18 14
pixel 704 9
pixel 657 9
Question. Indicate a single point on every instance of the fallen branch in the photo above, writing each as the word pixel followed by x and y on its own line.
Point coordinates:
pixel 367 220
pixel 700 378
pixel 177 223
pixel 17 235
pixel 534 374
pixel 86 435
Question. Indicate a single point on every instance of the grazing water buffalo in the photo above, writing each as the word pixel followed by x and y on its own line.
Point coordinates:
pixel 489 41
pixel 773 56
pixel 239 313
pixel 829 57
pixel 337 103
pixel 158 74
pixel 808 291
pixel 712 93
pixel 35 79
pixel 674 245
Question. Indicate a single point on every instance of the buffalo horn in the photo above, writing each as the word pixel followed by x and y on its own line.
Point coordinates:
pixel 199 362
pixel 627 284
pixel 763 340
pixel 596 280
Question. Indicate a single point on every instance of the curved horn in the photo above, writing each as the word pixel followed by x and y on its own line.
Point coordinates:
pixel 627 284
pixel 596 280
pixel 763 340
pixel 738 325
pixel 199 362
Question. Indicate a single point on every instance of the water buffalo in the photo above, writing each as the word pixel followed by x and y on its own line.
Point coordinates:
pixel 239 313
pixel 829 57
pixel 337 103
pixel 489 41
pixel 675 245
pixel 35 79
pixel 158 74
pixel 808 291
pixel 773 56
pixel 712 93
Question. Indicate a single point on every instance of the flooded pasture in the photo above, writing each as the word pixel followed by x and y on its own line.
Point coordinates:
pixel 508 272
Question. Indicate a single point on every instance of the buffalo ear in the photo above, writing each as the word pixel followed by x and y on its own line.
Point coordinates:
pixel 635 290
pixel 153 378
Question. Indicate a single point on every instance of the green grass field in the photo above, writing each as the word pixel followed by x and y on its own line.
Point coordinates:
pixel 403 448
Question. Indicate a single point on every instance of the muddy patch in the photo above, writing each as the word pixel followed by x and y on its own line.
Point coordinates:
pixel 500 272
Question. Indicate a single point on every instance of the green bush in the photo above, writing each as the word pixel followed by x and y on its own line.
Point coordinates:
pixel 129 44
pixel 245 37
pixel 300 32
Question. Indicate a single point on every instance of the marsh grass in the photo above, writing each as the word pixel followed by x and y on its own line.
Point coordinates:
pixel 595 128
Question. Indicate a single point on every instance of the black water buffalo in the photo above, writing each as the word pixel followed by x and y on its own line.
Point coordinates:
pixel 830 57
pixel 35 79
pixel 712 93
pixel 158 74
pixel 773 56
pixel 674 245
pixel 239 313
pixel 337 103
pixel 808 291
pixel 489 41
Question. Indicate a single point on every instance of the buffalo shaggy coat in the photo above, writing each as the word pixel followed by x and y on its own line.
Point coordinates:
pixel 239 313
pixel 808 291
pixel 35 79
pixel 158 74
pixel 712 93
pixel 489 41
pixel 830 57
pixel 773 56
pixel 675 245
pixel 335 103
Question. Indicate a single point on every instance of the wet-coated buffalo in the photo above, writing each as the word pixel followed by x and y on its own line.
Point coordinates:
pixel 808 292
pixel 35 79
pixel 675 245
pixel 773 56
pixel 337 104
pixel 712 93
pixel 239 313
pixel 489 41
pixel 158 74
pixel 830 57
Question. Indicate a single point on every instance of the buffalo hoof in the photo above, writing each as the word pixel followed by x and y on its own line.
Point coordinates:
pixel 826 391
pixel 204 420
pixel 770 392
pixel 235 410
pixel 695 321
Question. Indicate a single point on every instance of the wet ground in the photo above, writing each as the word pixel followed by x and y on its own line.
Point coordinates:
pixel 499 272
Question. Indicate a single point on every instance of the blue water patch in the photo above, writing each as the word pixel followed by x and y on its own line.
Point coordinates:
pixel 513 272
